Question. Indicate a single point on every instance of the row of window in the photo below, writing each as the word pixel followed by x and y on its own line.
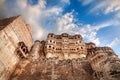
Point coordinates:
pixel 66 35
pixel 52 41
pixel 60 48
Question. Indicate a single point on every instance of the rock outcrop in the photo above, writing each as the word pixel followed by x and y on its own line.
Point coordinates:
pixel 54 69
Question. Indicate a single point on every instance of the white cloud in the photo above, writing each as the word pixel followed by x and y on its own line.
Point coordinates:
pixel 52 11
pixel 89 32
pixel 113 5
pixel 86 2
pixel 65 23
pixel 103 25
pixel 115 42
pixel 32 15
pixel 107 6
pixel 66 1
pixel 118 15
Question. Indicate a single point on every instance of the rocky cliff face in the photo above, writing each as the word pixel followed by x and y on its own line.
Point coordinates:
pixel 105 63
pixel 54 69
pixel 20 60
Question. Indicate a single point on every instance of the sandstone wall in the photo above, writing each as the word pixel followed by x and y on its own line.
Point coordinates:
pixel 13 33
pixel 23 31
pixel 54 69
pixel 8 58
pixel 105 63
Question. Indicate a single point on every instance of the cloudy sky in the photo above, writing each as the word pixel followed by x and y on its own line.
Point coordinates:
pixel 96 20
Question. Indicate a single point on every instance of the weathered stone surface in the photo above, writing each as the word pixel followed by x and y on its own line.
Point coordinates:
pixel 54 69
pixel 12 32
pixel 105 63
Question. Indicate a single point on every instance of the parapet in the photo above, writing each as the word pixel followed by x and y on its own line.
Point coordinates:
pixel 76 36
pixel 7 21
pixel 64 35
pixel 50 35
pixel 90 45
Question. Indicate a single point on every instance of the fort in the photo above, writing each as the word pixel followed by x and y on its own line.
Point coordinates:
pixel 59 57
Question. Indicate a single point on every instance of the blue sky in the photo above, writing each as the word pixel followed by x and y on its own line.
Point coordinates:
pixel 96 20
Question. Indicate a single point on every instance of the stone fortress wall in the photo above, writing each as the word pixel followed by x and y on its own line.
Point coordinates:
pixel 15 42
pixel 66 56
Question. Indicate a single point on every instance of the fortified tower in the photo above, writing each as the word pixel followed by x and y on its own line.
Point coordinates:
pixel 15 43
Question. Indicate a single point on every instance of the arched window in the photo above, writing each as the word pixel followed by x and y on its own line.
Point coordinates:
pixel 22 50
pixel 23 47
pixel 49 46
pixel 80 41
pixel 81 47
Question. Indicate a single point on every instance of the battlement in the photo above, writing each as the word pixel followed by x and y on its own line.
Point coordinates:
pixel 64 35
pixel 7 21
